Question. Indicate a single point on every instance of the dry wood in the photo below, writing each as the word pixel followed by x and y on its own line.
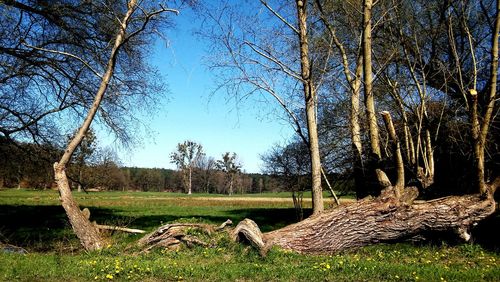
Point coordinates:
pixel 174 235
pixel 119 228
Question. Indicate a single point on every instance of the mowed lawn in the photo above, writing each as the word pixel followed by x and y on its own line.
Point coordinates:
pixel 35 221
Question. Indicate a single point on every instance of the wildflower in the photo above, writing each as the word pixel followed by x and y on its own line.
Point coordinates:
pixel 109 276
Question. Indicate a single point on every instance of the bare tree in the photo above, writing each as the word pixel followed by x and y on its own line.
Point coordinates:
pixel 207 166
pixel 230 165
pixel 394 215
pixel 480 128
pixel 87 232
pixel 272 58
pixel 186 157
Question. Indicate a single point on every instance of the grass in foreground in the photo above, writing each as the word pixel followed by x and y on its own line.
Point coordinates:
pixel 230 262
pixel 35 221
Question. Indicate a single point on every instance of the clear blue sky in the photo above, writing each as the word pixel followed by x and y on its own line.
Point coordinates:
pixel 248 129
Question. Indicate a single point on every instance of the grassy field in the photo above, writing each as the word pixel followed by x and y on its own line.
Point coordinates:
pixel 35 221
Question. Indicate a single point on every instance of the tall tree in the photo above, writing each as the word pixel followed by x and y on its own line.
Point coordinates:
pixel 328 14
pixel 480 127
pixel 271 56
pixel 128 28
pixel 394 215
pixel 186 158
pixel 231 167
pixel 310 99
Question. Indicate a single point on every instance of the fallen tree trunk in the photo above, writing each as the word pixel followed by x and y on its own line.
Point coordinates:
pixel 370 221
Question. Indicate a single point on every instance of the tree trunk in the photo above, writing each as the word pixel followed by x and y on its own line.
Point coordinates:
pixel 368 80
pixel 480 133
pixel 370 221
pixel 88 234
pixel 231 185
pixel 398 157
pixel 80 180
pixel 190 180
pixel 356 129
pixel 310 102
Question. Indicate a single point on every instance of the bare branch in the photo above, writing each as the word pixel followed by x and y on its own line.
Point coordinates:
pixel 279 16
pixel 65 54
pixel 268 56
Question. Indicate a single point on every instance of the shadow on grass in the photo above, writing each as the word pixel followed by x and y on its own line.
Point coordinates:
pixel 267 218
pixel 43 228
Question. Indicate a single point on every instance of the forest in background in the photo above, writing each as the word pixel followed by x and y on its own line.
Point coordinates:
pixel 26 165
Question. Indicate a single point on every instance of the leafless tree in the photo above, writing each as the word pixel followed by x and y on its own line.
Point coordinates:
pixel 129 25
pixel 186 158
pixel 272 56
pixel 230 165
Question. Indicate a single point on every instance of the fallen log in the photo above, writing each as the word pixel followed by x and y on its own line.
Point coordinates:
pixel 370 221
pixel 172 235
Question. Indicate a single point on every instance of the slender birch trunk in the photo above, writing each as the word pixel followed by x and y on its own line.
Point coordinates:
pixel 310 101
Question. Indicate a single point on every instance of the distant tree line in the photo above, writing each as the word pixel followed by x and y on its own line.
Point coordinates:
pixel 28 165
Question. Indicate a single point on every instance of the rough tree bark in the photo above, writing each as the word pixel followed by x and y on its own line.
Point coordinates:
pixel 391 216
pixel 370 221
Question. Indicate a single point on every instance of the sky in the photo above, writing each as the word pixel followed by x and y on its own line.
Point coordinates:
pixel 192 113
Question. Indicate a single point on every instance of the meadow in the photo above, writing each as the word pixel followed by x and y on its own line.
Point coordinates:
pixel 35 221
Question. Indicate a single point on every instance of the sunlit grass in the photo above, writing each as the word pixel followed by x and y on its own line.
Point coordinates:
pixel 230 262
pixel 35 220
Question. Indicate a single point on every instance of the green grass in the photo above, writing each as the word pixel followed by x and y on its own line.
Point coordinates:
pixel 34 220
